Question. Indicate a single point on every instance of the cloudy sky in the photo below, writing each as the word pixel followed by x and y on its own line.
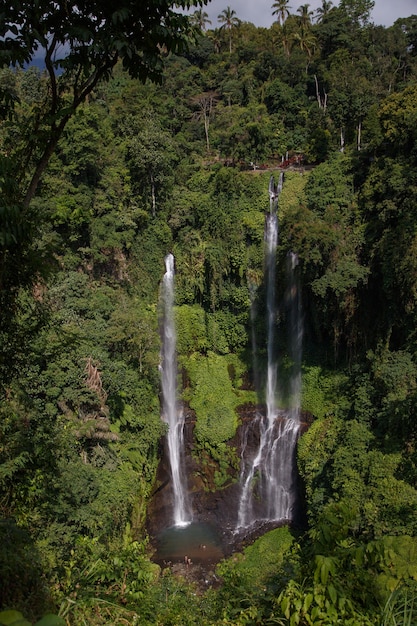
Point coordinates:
pixel 259 12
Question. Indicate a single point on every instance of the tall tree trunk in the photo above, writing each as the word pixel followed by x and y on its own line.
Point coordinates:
pixel 322 100
pixel 206 129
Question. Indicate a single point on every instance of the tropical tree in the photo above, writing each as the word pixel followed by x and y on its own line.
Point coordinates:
pixel 333 268
pixel 81 44
pixel 205 102
pixel 307 42
pixel 305 16
pixel 200 19
pixel 388 196
pixel 286 40
pixel 216 38
pixel 151 156
pixel 322 11
pixel 229 21
pixel 281 10
pixel 358 11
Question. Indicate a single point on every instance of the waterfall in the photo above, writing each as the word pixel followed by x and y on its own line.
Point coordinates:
pixel 252 296
pixel 172 412
pixel 271 237
pixel 295 333
pixel 267 479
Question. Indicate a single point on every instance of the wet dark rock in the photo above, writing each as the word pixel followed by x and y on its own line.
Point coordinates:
pixel 218 508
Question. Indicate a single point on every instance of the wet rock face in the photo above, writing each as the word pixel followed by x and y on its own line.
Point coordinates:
pixel 218 508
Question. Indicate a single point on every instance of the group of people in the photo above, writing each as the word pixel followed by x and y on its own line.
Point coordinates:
pixel 187 559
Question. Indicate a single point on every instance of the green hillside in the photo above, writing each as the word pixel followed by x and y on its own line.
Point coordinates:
pixel 159 133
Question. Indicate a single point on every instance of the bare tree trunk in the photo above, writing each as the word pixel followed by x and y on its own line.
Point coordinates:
pixel 322 100
pixel 206 129
pixel 206 102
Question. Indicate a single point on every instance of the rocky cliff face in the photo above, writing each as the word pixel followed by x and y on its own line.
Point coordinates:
pixel 210 505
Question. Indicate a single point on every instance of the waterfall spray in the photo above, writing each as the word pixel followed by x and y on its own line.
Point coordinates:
pixel 172 410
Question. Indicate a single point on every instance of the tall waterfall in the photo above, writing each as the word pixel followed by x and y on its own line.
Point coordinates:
pixel 172 411
pixel 295 332
pixel 271 237
pixel 267 479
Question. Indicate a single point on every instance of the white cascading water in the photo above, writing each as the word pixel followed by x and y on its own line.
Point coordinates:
pixel 252 296
pixel 172 411
pixel 271 237
pixel 295 334
pixel 273 466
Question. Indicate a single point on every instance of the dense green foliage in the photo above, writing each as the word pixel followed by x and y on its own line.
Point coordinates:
pixel 137 170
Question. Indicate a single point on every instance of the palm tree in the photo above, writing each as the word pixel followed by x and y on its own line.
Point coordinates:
pixel 215 37
pixel 322 11
pixel 305 16
pixel 281 10
pixel 229 21
pixel 286 41
pixel 307 42
pixel 200 19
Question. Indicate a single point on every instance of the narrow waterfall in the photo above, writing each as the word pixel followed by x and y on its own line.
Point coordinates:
pixel 295 333
pixel 172 412
pixel 252 296
pixel 267 479
pixel 271 237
